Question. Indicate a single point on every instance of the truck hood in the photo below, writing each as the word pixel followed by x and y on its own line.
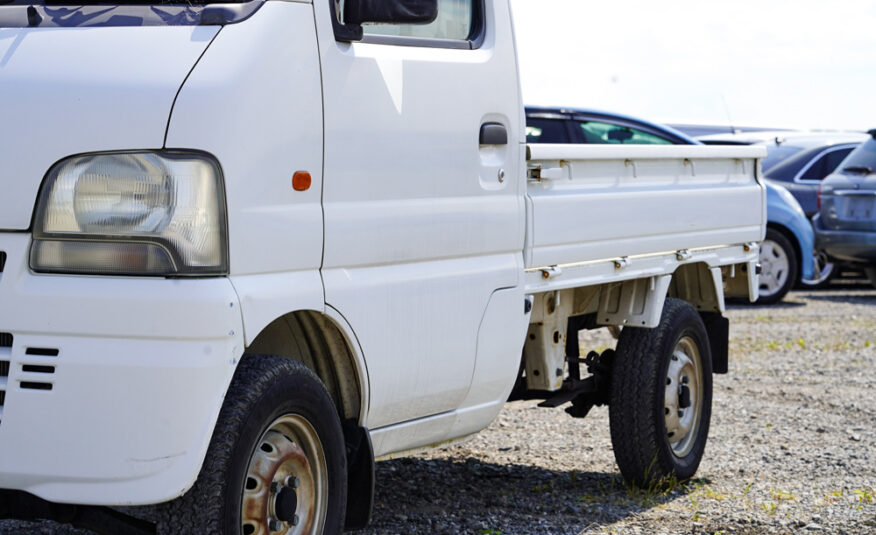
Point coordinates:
pixel 66 91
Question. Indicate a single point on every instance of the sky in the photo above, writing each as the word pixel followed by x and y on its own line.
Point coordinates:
pixel 776 63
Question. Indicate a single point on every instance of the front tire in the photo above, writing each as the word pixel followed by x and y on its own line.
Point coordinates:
pixel 276 463
pixel 661 397
pixel 778 263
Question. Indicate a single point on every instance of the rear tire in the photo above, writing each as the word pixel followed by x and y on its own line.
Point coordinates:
pixel 778 263
pixel 661 397
pixel 276 460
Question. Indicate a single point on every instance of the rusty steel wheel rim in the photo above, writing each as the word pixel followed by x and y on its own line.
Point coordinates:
pixel 286 486
pixel 683 397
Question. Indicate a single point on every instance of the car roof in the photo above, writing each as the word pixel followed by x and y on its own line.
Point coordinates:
pixel 608 116
pixel 805 139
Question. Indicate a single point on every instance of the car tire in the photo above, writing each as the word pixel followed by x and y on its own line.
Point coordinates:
pixel 276 462
pixel 779 265
pixel 661 397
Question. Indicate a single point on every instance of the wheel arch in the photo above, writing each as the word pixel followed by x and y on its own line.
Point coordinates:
pixel 325 343
pixel 791 237
pixel 700 285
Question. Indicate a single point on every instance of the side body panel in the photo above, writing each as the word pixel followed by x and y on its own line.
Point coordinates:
pixel 600 202
pixel 254 101
pixel 260 114
pixel 419 228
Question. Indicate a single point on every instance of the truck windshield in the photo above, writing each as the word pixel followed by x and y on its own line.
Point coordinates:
pixel 82 13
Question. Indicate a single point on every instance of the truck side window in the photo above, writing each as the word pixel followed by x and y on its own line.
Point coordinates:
pixel 456 22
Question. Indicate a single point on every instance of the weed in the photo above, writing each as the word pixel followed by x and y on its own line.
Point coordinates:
pixel 488 531
pixel 770 507
pixel 782 495
pixel 747 489
pixel 712 495
pixel 863 495
pixel 801 343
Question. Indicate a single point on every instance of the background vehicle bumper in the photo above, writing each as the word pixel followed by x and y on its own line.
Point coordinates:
pixel 114 384
pixel 851 245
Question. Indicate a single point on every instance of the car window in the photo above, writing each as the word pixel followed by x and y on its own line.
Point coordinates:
pixel 546 131
pixel 776 154
pixel 455 18
pixel 825 164
pixel 606 133
pixel 863 156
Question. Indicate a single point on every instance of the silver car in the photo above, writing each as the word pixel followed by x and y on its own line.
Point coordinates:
pixel 845 226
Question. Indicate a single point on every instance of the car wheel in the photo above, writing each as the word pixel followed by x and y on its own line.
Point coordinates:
pixel 276 463
pixel 778 264
pixel 661 397
pixel 825 271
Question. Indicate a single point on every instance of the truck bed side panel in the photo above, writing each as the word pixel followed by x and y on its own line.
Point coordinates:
pixel 601 202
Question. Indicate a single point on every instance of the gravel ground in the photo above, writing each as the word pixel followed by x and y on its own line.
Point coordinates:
pixel 791 447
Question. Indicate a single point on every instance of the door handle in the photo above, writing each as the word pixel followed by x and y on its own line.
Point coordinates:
pixel 493 134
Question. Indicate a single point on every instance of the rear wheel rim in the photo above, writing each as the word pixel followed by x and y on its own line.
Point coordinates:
pixel 775 268
pixel 683 396
pixel 286 486
pixel 822 272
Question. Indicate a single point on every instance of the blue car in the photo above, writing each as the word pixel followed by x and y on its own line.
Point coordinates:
pixel 786 255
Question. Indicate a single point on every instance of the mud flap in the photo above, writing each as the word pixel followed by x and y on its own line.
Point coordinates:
pixel 718 329
pixel 360 475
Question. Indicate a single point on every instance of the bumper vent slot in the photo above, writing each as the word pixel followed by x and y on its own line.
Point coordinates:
pixel 33 368
pixel 5 340
pixel 33 385
pixel 41 352
pixel 2 261
pixel 4 369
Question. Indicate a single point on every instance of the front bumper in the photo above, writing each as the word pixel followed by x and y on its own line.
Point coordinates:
pixel 849 245
pixel 113 384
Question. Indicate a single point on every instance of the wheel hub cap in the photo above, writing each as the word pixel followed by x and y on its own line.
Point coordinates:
pixel 286 487
pixel 683 396
pixel 774 265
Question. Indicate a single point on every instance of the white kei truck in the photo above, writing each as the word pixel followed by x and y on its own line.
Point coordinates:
pixel 247 249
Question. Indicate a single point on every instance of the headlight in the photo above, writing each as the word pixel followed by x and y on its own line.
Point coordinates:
pixel 132 213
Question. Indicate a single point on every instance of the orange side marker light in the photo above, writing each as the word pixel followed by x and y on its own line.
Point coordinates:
pixel 301 181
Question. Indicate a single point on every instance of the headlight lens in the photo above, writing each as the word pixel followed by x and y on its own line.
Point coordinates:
pixel 132 213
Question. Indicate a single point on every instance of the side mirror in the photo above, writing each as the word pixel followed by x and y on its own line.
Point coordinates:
pixel 390 11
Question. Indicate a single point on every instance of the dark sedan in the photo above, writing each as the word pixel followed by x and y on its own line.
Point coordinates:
pixel 845 226
pixel 797 160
